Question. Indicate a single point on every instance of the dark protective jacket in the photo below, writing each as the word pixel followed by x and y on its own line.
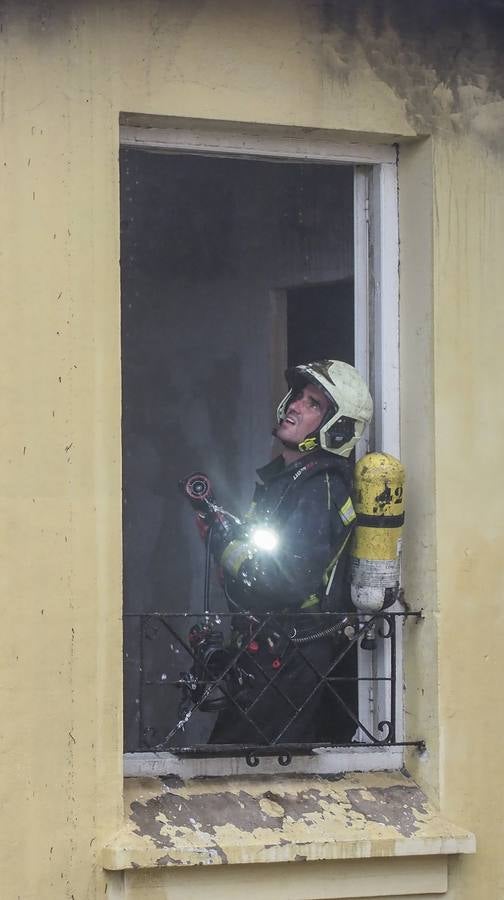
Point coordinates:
pixel 285 698
pixel 308 505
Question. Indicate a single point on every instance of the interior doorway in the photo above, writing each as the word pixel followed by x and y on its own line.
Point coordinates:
pixel 320 322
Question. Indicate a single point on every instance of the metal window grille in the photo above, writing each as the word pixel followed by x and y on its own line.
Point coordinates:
pixel 271 675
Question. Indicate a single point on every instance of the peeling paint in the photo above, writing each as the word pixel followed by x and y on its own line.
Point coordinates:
pixel 213 821
pixel 400 807
pixel 210 810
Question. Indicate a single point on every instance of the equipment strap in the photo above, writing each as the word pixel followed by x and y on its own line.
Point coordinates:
pixel 380 521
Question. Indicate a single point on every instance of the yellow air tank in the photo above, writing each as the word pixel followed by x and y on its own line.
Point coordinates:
pixel 379 504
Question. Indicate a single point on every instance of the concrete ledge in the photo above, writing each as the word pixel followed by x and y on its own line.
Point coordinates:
pixel 217 821
pixel 422 877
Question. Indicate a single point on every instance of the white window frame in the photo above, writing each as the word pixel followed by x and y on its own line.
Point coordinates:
pixel 376 272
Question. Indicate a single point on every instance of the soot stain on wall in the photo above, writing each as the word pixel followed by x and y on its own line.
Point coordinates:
pixel 442 58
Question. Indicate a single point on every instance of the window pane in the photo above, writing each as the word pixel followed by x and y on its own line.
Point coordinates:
pixel 215 253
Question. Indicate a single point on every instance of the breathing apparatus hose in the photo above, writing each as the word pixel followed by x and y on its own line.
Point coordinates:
pixel 317 635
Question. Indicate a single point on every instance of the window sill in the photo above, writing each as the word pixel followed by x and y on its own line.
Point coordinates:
pixel 263 819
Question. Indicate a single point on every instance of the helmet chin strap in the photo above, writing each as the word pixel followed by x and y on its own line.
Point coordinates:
pixel 310 442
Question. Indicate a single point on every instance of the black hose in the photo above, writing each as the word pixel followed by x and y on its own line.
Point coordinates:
pixel 208 563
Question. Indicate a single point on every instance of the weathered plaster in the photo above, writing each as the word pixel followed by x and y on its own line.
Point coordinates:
pixel 213 821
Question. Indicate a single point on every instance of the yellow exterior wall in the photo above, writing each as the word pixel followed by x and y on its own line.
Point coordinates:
pixel 469 322
pixel 68 70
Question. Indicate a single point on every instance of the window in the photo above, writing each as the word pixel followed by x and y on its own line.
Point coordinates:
pixel 241 252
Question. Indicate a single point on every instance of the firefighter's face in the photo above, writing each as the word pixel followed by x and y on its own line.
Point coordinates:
pixel 304 414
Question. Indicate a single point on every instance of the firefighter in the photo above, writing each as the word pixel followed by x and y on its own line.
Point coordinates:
pixel 289 556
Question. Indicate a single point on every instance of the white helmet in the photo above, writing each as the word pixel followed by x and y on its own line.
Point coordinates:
pixel 351 404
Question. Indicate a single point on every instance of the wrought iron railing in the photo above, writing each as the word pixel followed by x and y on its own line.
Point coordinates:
pixel 268 674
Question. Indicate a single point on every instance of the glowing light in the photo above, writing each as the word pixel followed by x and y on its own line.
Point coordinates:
pixel 264 539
